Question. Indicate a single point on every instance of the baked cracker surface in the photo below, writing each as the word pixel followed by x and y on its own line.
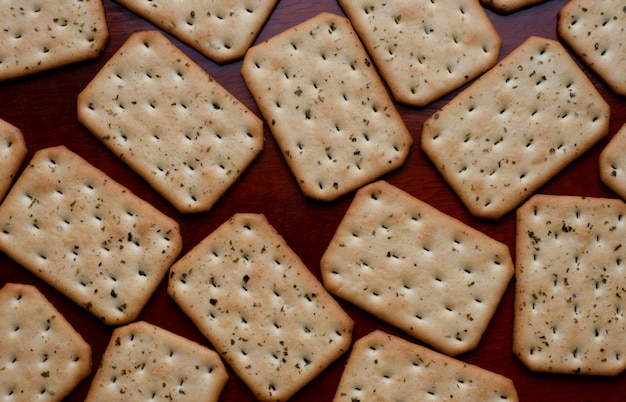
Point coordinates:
pixel 221 30
pixel 42 357
pixel 12 153
pixel 171 122
pixel 570 285
pixel 384 367
pixel 596 31
pixel 42 35
pixel 326 106
pixel 612 163
pixel 145 362
pixel 261 308
pixel 86 235
pixel 425 49
pixel 515 128
pixel 416 268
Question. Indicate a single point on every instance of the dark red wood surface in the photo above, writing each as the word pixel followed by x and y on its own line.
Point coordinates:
pixel 43 106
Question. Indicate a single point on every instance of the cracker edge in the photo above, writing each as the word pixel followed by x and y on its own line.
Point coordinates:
pixel 261 220
pixel 580 50
pixel 309 189
pixel 327 277
pixel 498 213
pixel 83 346
pixel 176 238
pixel 141 325
pixel 518 343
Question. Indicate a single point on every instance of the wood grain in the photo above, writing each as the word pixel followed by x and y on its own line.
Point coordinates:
pixel 43 106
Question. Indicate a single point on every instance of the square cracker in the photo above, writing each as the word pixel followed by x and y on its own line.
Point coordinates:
pixel 171 122
pixel 596 31
pixel 510 6
pixel 12 153
pixel 41 35
pixel 261 308
pixel 86 235
pixel 416 268
pixel 385 367
pixel 570 285
pixel 612 163
pixel 425 49
pixel 146 362
pixel 42 357
pixel 515 128
pixel 221 30
pixel 326 106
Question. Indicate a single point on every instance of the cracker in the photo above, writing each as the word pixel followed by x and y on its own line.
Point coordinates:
pixel 515 128
pixel 612 163
pixel 12 153
pixel 171 122
pixel 596 32
pixel 261 308
pixel 385 367
pixel 42 357
pixel 416 268
pixel 146 362
pixel 86 235
pixel 42 35
pixel 510 6
pixel 326 106
pixel 221 30
pixel 425 49
pixel 570 285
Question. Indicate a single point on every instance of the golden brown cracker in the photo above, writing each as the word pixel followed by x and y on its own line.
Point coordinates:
pixel 515 128
pixel 326 106
pixel 86 235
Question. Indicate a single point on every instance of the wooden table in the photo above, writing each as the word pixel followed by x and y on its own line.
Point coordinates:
pixel 44 108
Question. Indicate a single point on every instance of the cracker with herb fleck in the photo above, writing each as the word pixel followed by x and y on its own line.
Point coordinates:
pixel 86 235
pixel 12 153
pixel 425 49
pixel 146 362
pixel 515 128
pixel 264 312
pixel 41 35
pixel 171 122
pixel 570 285
pixel 596 31
pixel 221 30
pixel 612 163
pixel 42 357
pixel 330 113
pixel 416 268
pixel 381 364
